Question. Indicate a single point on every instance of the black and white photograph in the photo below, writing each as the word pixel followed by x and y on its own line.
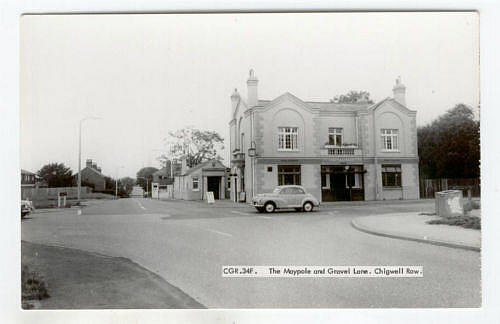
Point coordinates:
pixel 250 161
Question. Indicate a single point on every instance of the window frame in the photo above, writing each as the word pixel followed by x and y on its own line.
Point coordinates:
pixel 283 132
pixel 297 174
pixel 197 181
pixel 334 132
pixel 398 176
pixel 390 136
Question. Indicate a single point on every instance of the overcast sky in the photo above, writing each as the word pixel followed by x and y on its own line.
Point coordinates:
pixel 145 75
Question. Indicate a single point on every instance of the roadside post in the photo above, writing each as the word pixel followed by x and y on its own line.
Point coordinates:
pixel 61 199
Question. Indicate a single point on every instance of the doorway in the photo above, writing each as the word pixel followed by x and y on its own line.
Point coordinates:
pixel 213 185
pixel 342 183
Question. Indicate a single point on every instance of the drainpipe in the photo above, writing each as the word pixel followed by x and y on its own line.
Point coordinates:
pixel 375 160
pixel 253 158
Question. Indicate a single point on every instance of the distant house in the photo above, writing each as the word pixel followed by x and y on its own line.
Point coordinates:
pixel 28 179
pixel 91 174
pixel 31 180
pixel 162 176
pixel 194 183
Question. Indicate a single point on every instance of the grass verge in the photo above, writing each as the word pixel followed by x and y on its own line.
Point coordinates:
pixel 463 221
pixel 78 279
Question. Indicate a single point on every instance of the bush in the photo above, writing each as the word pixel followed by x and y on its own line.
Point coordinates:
pixel 470 205
pixel 33 287
pixel 463 221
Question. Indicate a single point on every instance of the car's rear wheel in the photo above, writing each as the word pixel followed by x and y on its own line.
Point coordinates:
pixel 308 206
pixel 269 207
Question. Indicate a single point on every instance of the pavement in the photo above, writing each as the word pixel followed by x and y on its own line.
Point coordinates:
pixel 187 243
pixel 414 227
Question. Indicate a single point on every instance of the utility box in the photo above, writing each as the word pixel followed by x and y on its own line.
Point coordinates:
pixel 449 203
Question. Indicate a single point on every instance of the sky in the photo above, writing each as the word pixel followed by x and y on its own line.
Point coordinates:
pixel 146 75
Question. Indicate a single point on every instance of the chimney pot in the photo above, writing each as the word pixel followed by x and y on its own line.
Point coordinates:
pixel 399 91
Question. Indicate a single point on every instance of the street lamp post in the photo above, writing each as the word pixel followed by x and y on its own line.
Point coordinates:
pixel 116 182
pixel 80 156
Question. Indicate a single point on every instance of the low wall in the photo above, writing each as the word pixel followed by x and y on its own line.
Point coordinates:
pixel 52 193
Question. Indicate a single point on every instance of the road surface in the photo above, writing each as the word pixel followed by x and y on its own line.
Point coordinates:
pixel 187 243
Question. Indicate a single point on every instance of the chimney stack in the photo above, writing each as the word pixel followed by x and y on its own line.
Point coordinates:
pixel 89 163
pixel 94 166
pixel 399 92
pixel 235 99
pixel 252 83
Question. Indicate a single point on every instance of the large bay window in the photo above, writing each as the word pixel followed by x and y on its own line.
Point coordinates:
pixel 335 136
pixel 390 139
pixel 391 175
pixel 288 138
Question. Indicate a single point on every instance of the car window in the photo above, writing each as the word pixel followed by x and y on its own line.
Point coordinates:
pixel 298 191
pixel 285 191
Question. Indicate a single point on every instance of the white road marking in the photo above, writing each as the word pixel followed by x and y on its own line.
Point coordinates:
pixel 240 213
pixel 140 205
pixel 266 217
pixel 221 233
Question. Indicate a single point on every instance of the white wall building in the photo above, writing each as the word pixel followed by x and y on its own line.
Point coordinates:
pixel 337 151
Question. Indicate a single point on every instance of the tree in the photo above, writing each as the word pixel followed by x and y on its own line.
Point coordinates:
pixel 127 183
pixel 110 183
pixel 353 97
pixel 147 173
pixel 449 147
pixel 195 145
pixel 56 175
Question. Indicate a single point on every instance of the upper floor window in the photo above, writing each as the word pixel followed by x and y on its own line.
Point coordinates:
pixel 288 138
pixel 335 136
pixel 390 139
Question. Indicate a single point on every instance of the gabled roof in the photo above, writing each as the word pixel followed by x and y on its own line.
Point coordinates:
pixel 391 100
pixel 322 106
pixel 285 96
pixel 94 170
pixel 205 164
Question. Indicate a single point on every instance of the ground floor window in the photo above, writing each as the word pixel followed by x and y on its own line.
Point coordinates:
pixel 196 184
pixel 391 175
pixel 288 175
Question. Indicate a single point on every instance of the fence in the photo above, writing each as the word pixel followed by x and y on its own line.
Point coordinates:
pixel 428 187
pixel 52 193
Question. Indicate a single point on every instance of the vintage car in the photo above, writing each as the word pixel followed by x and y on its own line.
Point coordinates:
pixel 291 196
pixel 26 207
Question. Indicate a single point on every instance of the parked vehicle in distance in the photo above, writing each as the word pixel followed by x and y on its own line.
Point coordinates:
pixel 26 207
pixel 290 196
